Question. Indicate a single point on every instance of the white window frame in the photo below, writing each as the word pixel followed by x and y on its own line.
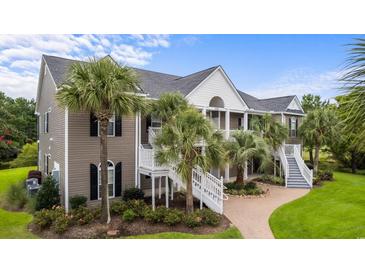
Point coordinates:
pixel 293 120
pixel 111 120
pixel 156 120
pixel 99 179
pixel 45 122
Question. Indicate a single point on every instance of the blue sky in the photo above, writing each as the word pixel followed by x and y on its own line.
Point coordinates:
pixel 263 65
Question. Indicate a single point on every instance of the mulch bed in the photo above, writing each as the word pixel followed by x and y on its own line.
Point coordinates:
pixel 118 228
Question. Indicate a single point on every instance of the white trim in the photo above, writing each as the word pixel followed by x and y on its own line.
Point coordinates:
pixel 66 159
pixel 228 80
pixel 297 102
pixel 136 149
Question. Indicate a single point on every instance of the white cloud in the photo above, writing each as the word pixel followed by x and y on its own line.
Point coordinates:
pixel 299 82
pixel 20 55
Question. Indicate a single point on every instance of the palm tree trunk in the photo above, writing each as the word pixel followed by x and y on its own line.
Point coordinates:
pixel 311 155
pixel 239 178
pixel 189 194
pixel 353 162
pixel 105 214
pixel 316 158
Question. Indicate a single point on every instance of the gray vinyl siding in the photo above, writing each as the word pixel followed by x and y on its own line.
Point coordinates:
pixel 85 149
pixel 234 120
pixel 52 142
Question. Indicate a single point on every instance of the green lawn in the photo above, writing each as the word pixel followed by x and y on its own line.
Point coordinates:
pixel 333 211
pixel 13 225
pixel 11 176
pixel 230 233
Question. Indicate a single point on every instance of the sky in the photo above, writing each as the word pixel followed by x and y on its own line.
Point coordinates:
pixel 261 65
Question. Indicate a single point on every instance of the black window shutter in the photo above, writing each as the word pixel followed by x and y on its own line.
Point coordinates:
pixel 148 122
pixel 239 122
pixel 290 127
pixel 118 126
pixel 93 182
pixel 93 125
pixel 118 179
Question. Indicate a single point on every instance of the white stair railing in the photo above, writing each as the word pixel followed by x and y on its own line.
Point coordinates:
pixel 284 162
pixel 304 170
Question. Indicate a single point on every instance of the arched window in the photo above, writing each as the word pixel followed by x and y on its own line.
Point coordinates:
pixel 216 101
pixel 111 176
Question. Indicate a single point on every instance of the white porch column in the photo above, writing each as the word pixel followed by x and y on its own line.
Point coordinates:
pixel 283 119
pixel 245 121
pixel 226 173
pixel 204 112
pixel 227 124
pixel 172 190
pixel 153 191
pixel 159 187
pixel 139 143
pixel 167 191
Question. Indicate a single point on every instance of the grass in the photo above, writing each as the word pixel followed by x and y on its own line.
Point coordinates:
pixel 12 176
pixel 334 211
pixel 13 225
pixel 230 233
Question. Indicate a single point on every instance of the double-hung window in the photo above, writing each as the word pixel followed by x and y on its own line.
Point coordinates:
pixel 111 177
pixel 46 164
pixel 293 126
pixel 111 127
pixel 156 122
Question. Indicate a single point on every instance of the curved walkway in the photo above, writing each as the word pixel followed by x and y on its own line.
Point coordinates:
pixel 251 215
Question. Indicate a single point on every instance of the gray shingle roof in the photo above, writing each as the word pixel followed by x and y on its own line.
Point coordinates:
pixel 277 104
pixel 156 83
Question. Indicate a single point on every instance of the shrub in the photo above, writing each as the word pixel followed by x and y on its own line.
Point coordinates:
pixel 82 216
pixel 27 157
pixel 138 206
pixel 325 175
pixel 133 194
pixel 77 201
pixel 156 216
pixel 48 195
pixel 235 186
pixel 254 191
pixel 209 217
pixel 61 223
pixel 129 216
pixel 96 212
pixel 270 179
pixel 118 207
pixel 44 218
pixel 173 217
pixel 193 220
pixel 16 197
pixel 250 185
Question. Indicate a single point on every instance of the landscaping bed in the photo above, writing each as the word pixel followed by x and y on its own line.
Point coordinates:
pixel 249 189
pixel 130 218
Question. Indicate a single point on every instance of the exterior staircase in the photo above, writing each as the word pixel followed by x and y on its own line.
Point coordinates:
pixel 297 174
pixel 207 188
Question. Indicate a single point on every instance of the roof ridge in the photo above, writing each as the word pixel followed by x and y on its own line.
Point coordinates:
pixel 200 71
pixel 286 96
pixel 64 58
pixel 155 72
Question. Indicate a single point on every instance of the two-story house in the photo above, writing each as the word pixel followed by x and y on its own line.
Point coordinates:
pixel 69 142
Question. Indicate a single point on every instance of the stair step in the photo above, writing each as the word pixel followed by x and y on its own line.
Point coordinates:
pixel 298 186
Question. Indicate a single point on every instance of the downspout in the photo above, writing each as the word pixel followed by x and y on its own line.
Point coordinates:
pixel 66 160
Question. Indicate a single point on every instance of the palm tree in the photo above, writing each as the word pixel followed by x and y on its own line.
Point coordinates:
pixel 244 146
pixel 168 105
pixel 353 105
pixel 176 146
pixel 319 127
pixel 105 89
pixel 273 132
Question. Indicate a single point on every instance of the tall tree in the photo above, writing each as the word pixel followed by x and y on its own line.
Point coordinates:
pixel 105 89
pixel 273 132
pixel 176 145
pixel 169 105
pixel 353 105
pixel 309 103
pixel 319 126
pixel 243 147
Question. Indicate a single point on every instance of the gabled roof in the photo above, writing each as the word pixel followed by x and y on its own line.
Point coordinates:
pixel 275 104
pixel 156 83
